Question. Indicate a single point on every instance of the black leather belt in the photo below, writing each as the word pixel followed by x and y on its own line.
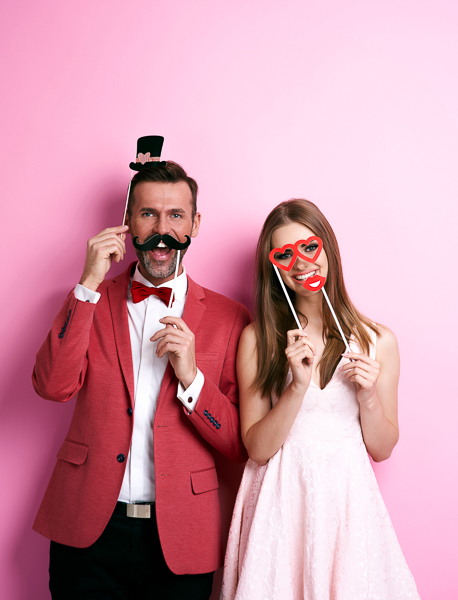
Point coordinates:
pixel 136 510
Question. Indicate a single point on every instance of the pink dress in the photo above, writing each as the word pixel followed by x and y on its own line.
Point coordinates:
pixel 311 524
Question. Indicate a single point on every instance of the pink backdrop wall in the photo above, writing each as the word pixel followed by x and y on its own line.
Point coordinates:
pixel 352 105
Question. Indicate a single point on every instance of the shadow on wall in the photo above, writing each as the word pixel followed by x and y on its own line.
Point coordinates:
pixel 33 429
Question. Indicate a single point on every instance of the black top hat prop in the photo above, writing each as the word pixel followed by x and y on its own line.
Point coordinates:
pixel 149 149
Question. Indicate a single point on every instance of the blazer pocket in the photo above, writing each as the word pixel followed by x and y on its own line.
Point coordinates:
pixel 204 481
pixel 73 452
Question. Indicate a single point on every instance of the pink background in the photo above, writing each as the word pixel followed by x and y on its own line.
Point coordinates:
pixel 353 105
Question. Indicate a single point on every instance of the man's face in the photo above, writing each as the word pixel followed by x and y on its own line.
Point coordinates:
pixel 162 208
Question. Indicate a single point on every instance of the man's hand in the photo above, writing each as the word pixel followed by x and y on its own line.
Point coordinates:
pixel 178 340
pixel 100 252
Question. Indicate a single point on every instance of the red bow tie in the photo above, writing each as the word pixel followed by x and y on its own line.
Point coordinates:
pixel 140 292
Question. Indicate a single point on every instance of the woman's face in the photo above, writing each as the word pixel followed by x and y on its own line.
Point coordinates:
pixel 302 271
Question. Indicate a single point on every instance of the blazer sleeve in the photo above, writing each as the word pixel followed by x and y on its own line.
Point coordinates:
pixel 61 362
pixel 216 414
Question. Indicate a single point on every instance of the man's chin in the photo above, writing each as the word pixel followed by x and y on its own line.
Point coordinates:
pixel 156 269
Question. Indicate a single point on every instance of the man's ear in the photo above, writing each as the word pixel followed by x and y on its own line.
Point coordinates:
pixel 127 222
pixel 195 225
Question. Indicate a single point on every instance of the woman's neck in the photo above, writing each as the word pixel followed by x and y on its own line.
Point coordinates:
pixel 311 307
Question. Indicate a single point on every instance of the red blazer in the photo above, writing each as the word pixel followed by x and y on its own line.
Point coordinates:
pixel 88 353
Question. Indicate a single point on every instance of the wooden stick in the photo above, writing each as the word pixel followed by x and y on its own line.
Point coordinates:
pixel 174 280
pixel 287 297
pixel 327 300
pixel 336 320
pixel 127 199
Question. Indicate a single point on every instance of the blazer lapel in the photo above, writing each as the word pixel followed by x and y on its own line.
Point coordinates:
pixel 194 310
pixel 117 297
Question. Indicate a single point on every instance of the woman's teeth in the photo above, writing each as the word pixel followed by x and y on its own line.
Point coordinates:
pixel 304 277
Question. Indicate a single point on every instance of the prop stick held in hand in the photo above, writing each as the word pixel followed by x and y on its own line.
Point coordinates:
pixel 149 148
pixel 174 279
pixel 336 320
pixel 287 297
pixel 308 250
pixel 127 199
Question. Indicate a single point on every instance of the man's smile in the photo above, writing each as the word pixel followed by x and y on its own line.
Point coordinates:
pixel 161 252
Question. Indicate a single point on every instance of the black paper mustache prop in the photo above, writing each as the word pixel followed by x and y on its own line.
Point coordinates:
pixel 156 239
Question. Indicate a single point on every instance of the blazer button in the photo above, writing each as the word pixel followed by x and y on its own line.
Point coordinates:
pixel 121 458
pixel 129 411
pixel 61 335
pixel 218 426
pixel 206 413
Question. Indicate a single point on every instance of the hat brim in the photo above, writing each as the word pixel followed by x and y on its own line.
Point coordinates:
pixel 135 166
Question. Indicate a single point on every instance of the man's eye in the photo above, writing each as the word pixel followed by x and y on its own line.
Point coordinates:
pixel 147 214
pixel 176 215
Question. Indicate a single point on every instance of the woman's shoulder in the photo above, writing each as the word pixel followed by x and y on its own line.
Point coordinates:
pixel 385 336
pixel 248 337
pixel 387 344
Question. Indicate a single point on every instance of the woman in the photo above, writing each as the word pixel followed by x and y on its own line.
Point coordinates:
pixel 309 521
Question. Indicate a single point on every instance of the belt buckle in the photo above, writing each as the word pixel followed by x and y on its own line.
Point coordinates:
pixel 139 511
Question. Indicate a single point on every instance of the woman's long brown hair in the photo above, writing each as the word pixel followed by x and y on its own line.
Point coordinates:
pixel 273 315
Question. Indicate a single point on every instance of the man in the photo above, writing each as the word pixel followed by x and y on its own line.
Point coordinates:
pixel 132 506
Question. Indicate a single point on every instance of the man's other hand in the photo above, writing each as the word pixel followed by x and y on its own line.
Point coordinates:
pixel 178 340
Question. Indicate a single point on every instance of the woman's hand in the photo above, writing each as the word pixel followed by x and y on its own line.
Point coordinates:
pixel 363 371
pixel 300 353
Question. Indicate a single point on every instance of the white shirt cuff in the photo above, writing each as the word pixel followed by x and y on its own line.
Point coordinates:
pixel 85 294
pixel 190 396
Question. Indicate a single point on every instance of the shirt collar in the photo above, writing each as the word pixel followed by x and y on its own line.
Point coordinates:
pixel 181 283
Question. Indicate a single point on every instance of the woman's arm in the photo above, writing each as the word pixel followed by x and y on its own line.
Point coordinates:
pixel 264 429
pixel 377 393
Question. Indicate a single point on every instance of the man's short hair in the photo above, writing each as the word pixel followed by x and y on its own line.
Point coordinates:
pixel 172 172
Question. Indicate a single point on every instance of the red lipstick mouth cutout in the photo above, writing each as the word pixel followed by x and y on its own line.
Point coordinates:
pixel 315 283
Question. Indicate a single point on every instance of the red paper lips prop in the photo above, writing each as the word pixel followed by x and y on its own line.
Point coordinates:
pixel 308 250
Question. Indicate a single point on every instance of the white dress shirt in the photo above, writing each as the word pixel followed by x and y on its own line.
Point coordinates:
pixel 139 478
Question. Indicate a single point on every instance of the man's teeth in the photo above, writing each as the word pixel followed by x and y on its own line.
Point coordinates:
pixel 304 277
pixel 161 245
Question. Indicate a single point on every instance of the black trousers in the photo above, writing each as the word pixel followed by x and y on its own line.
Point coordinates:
pixel 125 563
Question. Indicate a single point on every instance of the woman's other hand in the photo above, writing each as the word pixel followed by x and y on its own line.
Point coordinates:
pixel 377 393
pixel 363 371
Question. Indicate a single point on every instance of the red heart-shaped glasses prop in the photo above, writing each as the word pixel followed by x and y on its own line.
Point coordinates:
pixel 287 266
